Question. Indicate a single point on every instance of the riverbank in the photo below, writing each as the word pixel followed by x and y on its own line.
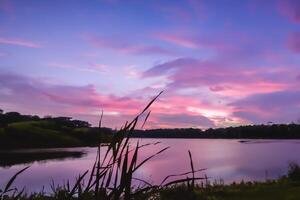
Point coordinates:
pixel 270 190
pixel 11 158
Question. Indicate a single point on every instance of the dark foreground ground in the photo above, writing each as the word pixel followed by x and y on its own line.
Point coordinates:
pixel 282 189
pixel 275 190
pixel 285 188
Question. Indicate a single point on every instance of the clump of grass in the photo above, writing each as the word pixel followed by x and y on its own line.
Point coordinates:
pixel 294 172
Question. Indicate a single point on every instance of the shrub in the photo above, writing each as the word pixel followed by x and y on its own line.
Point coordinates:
pixel 294 172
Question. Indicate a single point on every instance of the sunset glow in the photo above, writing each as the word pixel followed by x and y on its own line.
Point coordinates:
pixel 218 63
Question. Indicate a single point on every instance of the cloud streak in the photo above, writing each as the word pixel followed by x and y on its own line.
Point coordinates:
pixel 278 107
pixel 123 46
pixel 290 9
pixel 19 42
pixel 218 77
pixel 293 42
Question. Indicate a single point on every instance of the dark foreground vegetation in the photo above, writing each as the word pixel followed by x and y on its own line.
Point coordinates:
pixel 284 188
pixel 112 177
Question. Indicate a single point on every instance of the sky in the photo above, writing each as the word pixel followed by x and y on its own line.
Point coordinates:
pixel 219 62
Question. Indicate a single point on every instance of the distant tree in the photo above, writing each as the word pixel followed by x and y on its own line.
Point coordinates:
pixel 10 117
pixel 13 116
pixel 80 124
pixel 35 117
pixel 1 111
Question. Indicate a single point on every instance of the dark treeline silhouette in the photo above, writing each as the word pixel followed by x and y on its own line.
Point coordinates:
pixel 31 131
pixel 275 131
pixel 12 117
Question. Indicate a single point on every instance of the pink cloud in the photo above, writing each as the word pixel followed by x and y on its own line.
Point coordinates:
pixel 208 113
pixel 294 42
pixel 187 40
pixel 246 89
pixel 19 42
pixel 220 77
pixel 99 66
pixel 27 95
pixel 278 107
pixel 180 120
pixel 178 40
pixel 91 67
pixel 290 9
pixel 7 7
pixel 24 91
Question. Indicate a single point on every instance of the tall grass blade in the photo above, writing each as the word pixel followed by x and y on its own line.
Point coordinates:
pixel 10 182
pixel 193 171
pixel 77 184
pixel 146 118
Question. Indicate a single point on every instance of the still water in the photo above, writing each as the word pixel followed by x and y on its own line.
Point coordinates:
pixel 229 160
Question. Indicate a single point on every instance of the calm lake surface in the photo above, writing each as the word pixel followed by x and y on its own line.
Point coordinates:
pixel 229 160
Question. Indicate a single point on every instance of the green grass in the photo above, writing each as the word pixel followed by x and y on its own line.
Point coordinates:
pixel 48 134
pixel 285 188
pixel 282 189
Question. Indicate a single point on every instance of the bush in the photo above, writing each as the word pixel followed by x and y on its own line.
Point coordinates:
pixel 294 172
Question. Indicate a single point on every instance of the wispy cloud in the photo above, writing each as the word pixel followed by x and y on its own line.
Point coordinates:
pixel 219 77
pixel 290 9
pixel 278 107
pixel 294 41
pixel 2 54
pixel 19 42
pixel 220 43
pixel 30 93
pixel 60 65
pixel 124 46
pixel 178 40
pixel 49 98
pixel 91 67
pixel 8 7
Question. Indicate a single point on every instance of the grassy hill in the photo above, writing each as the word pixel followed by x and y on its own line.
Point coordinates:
pixel 48 134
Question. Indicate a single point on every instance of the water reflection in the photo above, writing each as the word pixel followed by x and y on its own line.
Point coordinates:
pixel 229 160
pixel 10 158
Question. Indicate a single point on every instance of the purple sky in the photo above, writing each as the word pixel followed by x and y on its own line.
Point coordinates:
pixel 220 62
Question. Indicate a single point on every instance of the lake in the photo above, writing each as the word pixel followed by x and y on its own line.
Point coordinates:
pixel 229 160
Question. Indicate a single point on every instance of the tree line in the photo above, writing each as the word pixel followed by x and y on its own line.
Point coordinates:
pixel 270 131
pixel 26 131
